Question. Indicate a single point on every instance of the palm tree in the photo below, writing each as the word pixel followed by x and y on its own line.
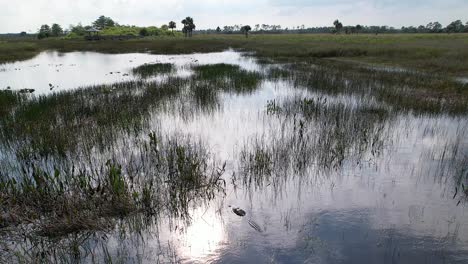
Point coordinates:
pixel 172 25
pixel 338 25
pixel 245 29
pixel 184 29
pixel 189 26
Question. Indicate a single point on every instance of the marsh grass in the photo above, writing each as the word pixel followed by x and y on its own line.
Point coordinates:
pixel 315 135
pixel 227 77
pixel 8 100
pixel 89 160
pixel 58 181
pixel 57 123
pixel 150 70
pixel 405 91
pixel 167 176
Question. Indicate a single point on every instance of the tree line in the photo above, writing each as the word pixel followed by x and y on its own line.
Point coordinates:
pixel 338 28
pixel 104 23
pixel 188 27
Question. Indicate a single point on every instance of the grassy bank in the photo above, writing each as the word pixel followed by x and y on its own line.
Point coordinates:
pixel 428 52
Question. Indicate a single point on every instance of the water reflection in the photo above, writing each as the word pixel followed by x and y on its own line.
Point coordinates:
pixel 67 71
pixel 323 178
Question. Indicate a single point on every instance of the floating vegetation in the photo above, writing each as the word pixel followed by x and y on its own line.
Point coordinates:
pixel 150 70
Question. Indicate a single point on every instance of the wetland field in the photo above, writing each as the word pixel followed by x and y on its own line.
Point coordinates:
pixel 272 149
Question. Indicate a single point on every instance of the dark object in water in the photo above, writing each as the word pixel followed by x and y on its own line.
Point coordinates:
pixel 255 226
pixel 26 90
pixel 239 211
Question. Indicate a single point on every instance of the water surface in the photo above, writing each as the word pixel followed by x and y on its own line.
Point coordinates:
pixel 390 200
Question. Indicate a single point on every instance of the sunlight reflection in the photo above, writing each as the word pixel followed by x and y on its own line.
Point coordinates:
pixel 204 237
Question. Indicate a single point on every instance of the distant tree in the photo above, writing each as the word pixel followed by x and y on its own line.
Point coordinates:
pixel 358 28
pixel 44 32
pixel 433 27
pixel 172 25
pixel 103 22
pixel 466 27
pixel 338 25
pixel 144 32
pixel 165 27
pixel 56 30
pixel 455 27
pixel 189 26
pixel 245 29
pixel 23 34
pixel 218 30
pixel 78 29
pixel 421 29
pixel 257 27
pixel 185 28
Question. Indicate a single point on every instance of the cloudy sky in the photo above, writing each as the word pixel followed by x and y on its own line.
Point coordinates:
pixel 28 15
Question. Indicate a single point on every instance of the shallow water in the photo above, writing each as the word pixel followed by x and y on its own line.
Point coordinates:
pixel 67 71
pixel 387 202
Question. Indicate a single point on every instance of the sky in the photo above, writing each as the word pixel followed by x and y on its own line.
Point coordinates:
pixel 28 15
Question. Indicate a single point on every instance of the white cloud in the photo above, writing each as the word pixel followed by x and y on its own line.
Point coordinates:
pixel 30 14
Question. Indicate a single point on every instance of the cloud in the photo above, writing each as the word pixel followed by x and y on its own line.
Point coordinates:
pixel 16 16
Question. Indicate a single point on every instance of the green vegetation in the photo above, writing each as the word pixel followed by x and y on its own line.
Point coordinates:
pixel 97 160
pixel 150 70
pixel 402 90
pixel 425 52
pixel 228 77
pixel 189 26
pixel 80 192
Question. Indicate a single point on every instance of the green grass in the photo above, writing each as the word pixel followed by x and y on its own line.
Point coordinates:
pixel 228 77
pixel 11 51
pixel 151 70
pixel 408 91
pixel 440 53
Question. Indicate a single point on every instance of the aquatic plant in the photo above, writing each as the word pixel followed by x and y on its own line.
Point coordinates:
pixel 150 70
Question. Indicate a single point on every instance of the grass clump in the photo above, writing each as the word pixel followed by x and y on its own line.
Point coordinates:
pixel 405 90
pixel 150 70
pixel 75 198
pixel 59 123
pixel 8 100
pixel 228 77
